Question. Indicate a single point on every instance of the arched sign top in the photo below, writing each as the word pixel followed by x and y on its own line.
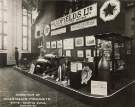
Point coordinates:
pixel 109 10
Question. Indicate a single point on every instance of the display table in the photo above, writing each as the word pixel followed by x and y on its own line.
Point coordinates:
pixel 80 94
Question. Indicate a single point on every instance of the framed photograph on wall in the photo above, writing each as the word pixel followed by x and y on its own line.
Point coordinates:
pixel 60 52
pixel 59 44
pixel 53 44
pixel 80 53
pixel 90 40
pixel 68 43
pixel 88 53
pixel 47 44
pixel 79 41
pixel 68 53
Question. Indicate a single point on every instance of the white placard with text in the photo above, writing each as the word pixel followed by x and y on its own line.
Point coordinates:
pixel 99 87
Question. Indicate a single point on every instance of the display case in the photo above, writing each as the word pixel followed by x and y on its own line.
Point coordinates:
pixel 115 48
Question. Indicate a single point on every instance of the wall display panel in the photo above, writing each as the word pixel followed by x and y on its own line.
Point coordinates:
pixel 59 44
pixel 68 43
pixel 80 53
pixel 48 45
pixel 53 44
pixel 79 41
pixel 90 40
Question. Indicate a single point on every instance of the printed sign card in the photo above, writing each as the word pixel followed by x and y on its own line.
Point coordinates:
pixel 99 88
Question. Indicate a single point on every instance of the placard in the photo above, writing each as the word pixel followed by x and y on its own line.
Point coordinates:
pixel 99 88
pixel 83 25
pixel 80 53
pixel 90 40
pixel 53 44
pixel 75 66
pixel 58 31
pixel 68 43
pixel 59 44
pixel 79 41
pixel 47 44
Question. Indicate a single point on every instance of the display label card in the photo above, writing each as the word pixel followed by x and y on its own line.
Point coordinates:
pixel 99 88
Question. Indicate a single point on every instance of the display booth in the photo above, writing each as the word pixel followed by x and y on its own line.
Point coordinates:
pixel 104 59
pixel 86 50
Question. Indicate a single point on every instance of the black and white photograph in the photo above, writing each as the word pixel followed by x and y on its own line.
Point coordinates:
pixel 53 44
pixel 59 44
pixel 66 53
pixel 48 45
pixel 79 41
pixel 80 53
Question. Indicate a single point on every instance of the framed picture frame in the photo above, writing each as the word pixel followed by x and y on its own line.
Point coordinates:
pixel 59 44
pixel 53 44
pixel 68 43
pixel 79 41
pixel 80 53
pixel 60 52
pixel 68 53
pixel 90 40
pixel 88 53
pixel 48 44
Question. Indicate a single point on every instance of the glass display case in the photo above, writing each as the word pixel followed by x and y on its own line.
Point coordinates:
pixel 115 48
